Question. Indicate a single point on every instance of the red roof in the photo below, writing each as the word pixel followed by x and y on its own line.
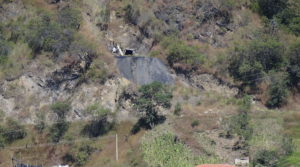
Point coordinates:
pixel 215 165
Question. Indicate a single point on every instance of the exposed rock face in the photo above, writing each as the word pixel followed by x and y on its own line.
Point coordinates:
pixel 144 70
pixel 209 82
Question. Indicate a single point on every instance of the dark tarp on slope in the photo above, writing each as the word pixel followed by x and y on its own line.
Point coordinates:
pixel 144 70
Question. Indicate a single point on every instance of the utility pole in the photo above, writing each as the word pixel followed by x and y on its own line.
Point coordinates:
pixel 117 151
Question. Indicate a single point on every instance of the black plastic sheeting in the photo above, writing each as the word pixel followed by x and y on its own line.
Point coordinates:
pixel 144 70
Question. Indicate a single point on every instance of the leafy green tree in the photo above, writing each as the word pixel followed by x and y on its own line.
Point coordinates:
pixel 61 108
pixel 269 8
pixel 151 97
pixel 294 63
pixel 277 91
pixel 269 53
pixel 250 62
pixel 266 158
pixel 290 17
pixel 58 129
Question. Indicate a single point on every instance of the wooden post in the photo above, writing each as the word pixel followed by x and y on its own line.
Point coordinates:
pixel 117 151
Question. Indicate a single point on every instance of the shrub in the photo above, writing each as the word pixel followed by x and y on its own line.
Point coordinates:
pixel 132 14
pixel 69 18
pixel 5 48
pixel 98 72
pixel 249 63
pixel 79 156
pixel 13 131
pixel 177 110
pixel 179 52
pixel 57 130
pixel 41 124
pixel 239 124
pixel 100 124
pixel 47 35
pixel 266 158
pixel 294 63
pixel 277 92
pixel 269 8
pixel 195 123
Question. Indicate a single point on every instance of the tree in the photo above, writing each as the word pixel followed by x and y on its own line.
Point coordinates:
pixel 249 63
pixel 58 129
pixel 61 108
pixel 277 91
pixel 294 63
pixel 266 158
pixel 269 8
pixel 149 101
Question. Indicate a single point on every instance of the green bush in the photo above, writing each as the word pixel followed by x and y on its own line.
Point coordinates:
pixel 266 158
pixel 178 109
pixel 57 130
pixel 269 8
pixel 195 123
pixel 294 63
pixel 61 108
pixel 277 92
pixel 100 124
pixel 249 63
pixel 12 131
pixel 5 49
pixel 290 17
pixel 79 156
pixel 179 52
pixel 239 124
pixel 47 35
pixel 69 18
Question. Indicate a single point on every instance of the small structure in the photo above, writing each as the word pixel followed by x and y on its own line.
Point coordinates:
pixel 242 162
pixel 62 166
pixel 215 165
pixel 129 51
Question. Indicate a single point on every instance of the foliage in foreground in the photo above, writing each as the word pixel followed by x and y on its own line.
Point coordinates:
pixel 166 150
pixel 79 156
